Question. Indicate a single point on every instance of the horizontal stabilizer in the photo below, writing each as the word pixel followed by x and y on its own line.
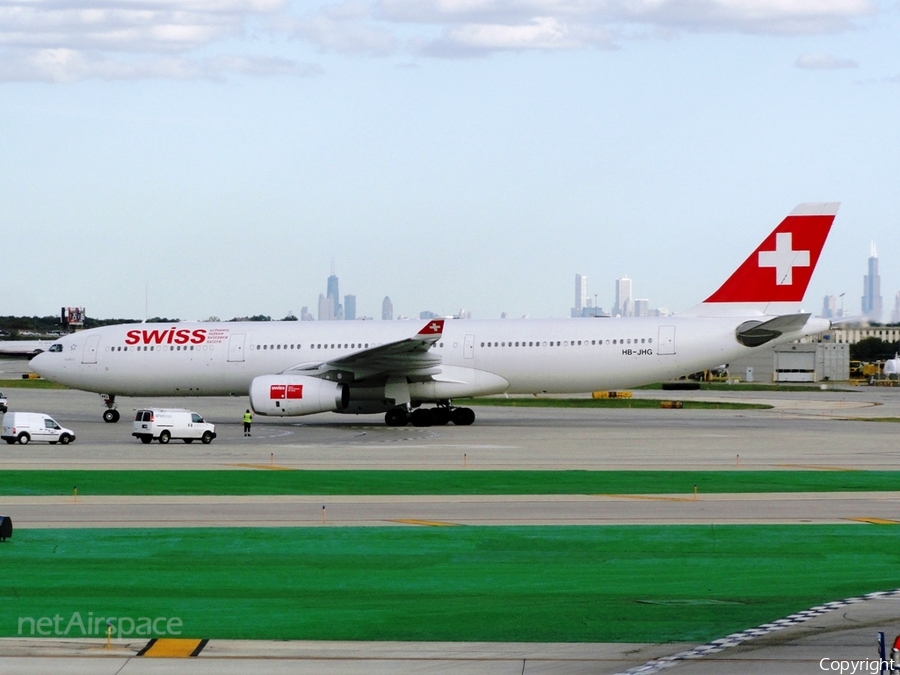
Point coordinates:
pixel 756 333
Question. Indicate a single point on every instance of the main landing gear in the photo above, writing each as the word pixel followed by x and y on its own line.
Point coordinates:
pixel 426 417
pixel 110 415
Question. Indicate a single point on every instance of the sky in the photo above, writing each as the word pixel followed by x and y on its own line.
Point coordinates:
pixel 197 158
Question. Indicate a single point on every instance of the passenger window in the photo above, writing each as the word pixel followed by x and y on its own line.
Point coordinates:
pixel 196 419
pixel 50 424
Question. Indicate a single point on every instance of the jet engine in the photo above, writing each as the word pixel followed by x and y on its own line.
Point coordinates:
pixel 296 395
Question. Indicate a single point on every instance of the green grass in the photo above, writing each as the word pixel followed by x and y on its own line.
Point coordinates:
pixel 606 403
pixel 542 584
pixel 462 482
pixel 30 384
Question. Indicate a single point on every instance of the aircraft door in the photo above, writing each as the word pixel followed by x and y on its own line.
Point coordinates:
pixel 236 347
pixel 469 347
pixel 666 342
pixel 89 355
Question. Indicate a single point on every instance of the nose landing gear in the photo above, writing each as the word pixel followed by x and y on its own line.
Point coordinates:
pixel 110 415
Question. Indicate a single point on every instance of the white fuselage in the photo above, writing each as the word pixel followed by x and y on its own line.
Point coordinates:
pixel 517 355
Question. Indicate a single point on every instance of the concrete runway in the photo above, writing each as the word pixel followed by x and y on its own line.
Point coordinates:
pixel 819 429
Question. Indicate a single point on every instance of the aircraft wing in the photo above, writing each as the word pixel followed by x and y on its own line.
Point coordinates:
pixel 409 357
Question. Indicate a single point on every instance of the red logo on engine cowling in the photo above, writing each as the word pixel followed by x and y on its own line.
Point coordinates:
pixel 169 336
pixel 283 391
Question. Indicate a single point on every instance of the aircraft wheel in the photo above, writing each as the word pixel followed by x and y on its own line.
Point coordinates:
pixel 462 417
pixel 164 436
pixel 421 417
pixel 441 416
pixel 111 416
pixel 396 417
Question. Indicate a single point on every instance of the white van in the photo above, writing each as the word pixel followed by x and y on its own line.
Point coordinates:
pixel 164 424
pixel 24 427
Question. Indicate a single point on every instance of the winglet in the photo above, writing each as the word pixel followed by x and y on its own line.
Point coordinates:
pixel 433 328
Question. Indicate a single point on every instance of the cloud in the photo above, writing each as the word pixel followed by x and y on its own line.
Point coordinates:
pixel 346 27
pixel 47 40
pixel 69 65
pixel 541 33
pixel 71 40
pixel 824 62
pixel 469 27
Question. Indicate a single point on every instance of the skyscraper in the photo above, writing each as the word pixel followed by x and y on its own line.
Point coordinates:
pixel 829 307
pixel 624 303
pixel 871 298
pixel 387 309
pixel 333 293
pixel 349 307
pixel 580 295
pixel 895 315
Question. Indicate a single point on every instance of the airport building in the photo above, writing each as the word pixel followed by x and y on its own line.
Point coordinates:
pixel 795 362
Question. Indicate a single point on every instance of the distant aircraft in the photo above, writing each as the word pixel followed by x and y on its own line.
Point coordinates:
pixel 412 373
pixel 24 347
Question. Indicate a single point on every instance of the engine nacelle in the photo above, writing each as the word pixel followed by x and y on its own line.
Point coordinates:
pixel 286 395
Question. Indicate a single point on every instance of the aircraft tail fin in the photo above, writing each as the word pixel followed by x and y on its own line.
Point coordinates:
pixel 773 280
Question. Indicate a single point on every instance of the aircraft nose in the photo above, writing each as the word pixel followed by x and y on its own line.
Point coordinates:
pixel 40 364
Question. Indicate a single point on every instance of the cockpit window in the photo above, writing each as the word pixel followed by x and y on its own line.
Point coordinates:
pixel 55 348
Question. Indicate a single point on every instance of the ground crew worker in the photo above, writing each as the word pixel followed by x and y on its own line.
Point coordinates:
pixel 248 420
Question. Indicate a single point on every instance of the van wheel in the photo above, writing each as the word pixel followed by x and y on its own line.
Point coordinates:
pixel 146 439
pixel 207 437
pixel 65 439
pixel 23 438
pixel 188 440
pixel 164 436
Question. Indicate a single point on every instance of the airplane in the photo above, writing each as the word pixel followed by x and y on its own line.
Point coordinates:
pixel 412 373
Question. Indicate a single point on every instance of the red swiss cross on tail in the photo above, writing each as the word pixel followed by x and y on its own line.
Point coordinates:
pixel 434 327
pixel 779 270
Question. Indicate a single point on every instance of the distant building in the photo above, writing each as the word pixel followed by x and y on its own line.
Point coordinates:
pixel 871 298
pixel 624 303
pixel 463 314
pixel 326 308
pixel 350 307
pixel 387 309
pixel 581 300
pixel 305 314
pixel 895 315
pixel 829 307
pixel 641 307
pixel 426 315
